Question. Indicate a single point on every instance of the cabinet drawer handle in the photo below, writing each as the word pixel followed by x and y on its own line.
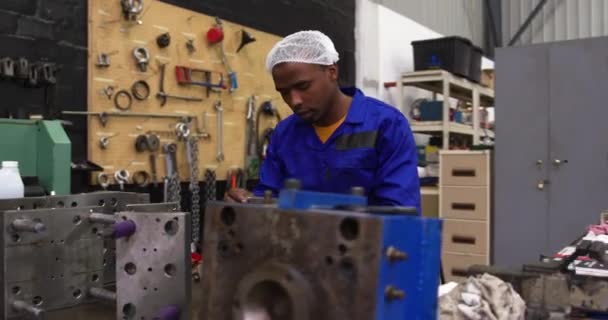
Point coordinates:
pixel 458 272
pixel 463 206
pixel 463 239
pixel 463 172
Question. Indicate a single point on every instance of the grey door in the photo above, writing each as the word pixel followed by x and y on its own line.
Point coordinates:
pixel 521 155
pixel 578 139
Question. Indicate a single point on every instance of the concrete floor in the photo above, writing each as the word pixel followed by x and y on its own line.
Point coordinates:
pixel 105 311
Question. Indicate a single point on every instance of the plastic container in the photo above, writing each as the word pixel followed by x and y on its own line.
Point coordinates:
pixel 475 66
pixel 11 185
pixel 452 54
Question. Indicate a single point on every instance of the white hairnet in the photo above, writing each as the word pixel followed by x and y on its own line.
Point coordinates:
pixel 304 46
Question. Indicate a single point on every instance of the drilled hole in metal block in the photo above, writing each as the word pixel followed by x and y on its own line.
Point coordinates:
pixel 270 298
pixel 16 290
pixel 113 202
pixel 52 241
pixel 76 220
pixel 342 249
pixel 77 294
pixel 228 216
pixel 155 289
pixel 144 249
pixel 145 288
pixel 129 310
pixel 60 204
pixel 155 250
pixel 124 218
pixel 130 268
pixel 102 202
pixel 329 260
pixel 37 300
pixel 20 207
pixel 349 229
pixel 94 231
pixel 170 270
pixel 157 219
pixel 57 259
pixel 348 269
pixel 95 277
pixel 149 269
pixel 171 227
pixel 74 204
pixel 16 237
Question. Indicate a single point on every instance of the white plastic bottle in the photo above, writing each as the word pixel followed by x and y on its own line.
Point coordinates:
pixel 11 185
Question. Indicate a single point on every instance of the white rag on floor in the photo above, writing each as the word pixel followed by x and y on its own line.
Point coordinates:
pixel 484 297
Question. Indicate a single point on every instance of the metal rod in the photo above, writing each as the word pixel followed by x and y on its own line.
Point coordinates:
pixel 24 306
pixel 103 294
pixel 27 225
pixel 128 114
pixel 526 23
pixel 102 218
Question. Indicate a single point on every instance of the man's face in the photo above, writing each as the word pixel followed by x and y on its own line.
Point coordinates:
pixel 306 88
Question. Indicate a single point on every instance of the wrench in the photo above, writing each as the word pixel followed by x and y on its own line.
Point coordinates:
pixel 220 138
pixel 153 169
pixel 170 167
pixel 162 95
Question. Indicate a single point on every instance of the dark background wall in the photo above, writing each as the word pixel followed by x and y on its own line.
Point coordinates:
pixel 56 31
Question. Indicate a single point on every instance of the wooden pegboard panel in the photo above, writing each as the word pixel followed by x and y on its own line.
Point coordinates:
pixel 109 33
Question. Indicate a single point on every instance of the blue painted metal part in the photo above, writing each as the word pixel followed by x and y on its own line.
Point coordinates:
pixel 417 276
pixel 297 199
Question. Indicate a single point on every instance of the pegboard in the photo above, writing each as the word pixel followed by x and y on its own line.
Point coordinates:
pixel 111 34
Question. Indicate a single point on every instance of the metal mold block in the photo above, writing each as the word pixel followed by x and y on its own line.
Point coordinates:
pixel 153 274
pixel 152 207
pixel 54 267
pixel 111 201
pixel 265 262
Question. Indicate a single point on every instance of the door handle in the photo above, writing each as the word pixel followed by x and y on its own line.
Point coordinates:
pixel 541 184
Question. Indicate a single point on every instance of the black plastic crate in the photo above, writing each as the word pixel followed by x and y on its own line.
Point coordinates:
pixel 452 54
pixel 475 70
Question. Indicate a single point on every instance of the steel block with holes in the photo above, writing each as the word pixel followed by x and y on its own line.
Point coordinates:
pixel 109 201
pixel 153 272
pixel 301 260
pixel 51 259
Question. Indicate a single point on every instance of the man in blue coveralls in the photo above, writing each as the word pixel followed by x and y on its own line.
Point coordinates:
pixel 337 138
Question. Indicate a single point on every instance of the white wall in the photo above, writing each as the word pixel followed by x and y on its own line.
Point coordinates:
pixel 384 51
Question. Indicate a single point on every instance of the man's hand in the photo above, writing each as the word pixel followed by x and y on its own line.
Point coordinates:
pixel 237 195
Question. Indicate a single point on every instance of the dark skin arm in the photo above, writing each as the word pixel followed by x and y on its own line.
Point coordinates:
pixel 237 195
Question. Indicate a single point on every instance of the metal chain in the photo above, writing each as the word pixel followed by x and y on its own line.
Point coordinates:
pixel 175 190
pixel 192 149
pixel 210 179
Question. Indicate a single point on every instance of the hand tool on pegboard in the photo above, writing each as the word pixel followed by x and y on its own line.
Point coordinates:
pixel 162 95
pixel 252 162
pixel 186 75
pixel 215 35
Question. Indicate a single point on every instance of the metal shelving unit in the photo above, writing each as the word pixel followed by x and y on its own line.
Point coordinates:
pixel 448 85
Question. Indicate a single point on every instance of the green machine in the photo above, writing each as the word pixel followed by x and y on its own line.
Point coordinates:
pixel 43 150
